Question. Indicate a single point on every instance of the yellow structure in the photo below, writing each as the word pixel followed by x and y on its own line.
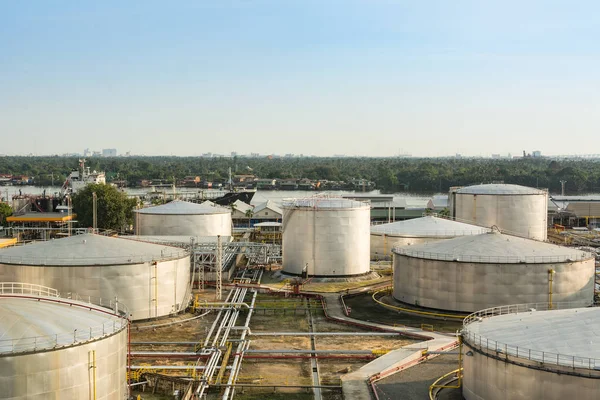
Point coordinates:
pixel 7 242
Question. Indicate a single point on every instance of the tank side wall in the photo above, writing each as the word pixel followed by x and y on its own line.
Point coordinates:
pixel 331 242
pixel 134 285
pixel 65 373
pixel 184 225
pixel 298 237
pixel 491 379
pixel 469 287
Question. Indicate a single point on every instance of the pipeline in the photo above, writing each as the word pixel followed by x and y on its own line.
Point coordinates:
pixel 242 347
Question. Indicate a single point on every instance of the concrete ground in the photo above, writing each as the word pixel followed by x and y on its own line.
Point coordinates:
pixel 413 383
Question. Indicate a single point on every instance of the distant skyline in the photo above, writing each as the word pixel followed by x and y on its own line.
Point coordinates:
pixel 357 77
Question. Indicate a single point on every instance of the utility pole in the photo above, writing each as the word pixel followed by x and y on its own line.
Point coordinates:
pixel 219 266
pixel 192 261
pixel 562 185
pixel 70 214
pixel 95 211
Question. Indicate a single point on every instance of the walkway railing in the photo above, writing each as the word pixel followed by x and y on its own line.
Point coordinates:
pixel 63 339
pixel 125 259
pixel 505 350
pixel 493 259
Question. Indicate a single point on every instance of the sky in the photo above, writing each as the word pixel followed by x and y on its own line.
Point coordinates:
pixel 314 77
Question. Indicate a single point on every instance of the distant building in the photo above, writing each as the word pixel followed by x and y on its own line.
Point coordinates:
pixel 495 155
pixel 268 211
pixel 537 153
pixel 87 153
pixel 109 152
pixel 96 154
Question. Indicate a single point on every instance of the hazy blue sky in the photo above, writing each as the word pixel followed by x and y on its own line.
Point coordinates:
pixel 323 77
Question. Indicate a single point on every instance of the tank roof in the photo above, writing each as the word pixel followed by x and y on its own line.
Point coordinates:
pixel 568 332
pixel 179 207
pixel 88 249
pixel 493 247
pixel 499 188
pixel 31 324
pixel 428 226
pixel 324 203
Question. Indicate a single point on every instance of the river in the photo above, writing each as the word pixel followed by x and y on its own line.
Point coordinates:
pixel 261 196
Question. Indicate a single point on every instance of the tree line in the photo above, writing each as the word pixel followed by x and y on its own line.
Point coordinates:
pixel 416 175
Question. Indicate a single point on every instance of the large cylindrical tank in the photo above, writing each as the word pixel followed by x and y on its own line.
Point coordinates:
pixel 153 280
pixel 515 209
pixel 60 348
pixel 385 237
pixel 326 237
pixel 488 270
pixel 179 218
pixel 531 351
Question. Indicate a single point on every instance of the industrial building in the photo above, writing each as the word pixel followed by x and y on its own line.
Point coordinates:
pixel 531 351
pixel 515 209
pixel 178 218
pixel 60 348
pixel 40 225
pixel 384 237
pixel 152 280
pixel 474 272
pixel 325 237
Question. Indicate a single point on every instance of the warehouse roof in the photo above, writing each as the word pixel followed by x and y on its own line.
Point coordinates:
pixel 499 188
pixel 179 207
pixel 88 249
pixel 324 203
pixel 29 324
pixel 428 227
pixel 493 247
pixel 271 205
pixel 571 332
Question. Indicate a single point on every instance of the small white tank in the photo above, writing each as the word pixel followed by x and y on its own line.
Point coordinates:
pixel 182 218
pixel 385 237
pixel 326 237
pixel 517 210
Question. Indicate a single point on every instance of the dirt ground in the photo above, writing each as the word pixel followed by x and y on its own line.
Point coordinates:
pixel 289 371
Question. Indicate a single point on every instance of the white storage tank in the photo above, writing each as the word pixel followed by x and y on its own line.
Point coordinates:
pixel 518 210
pixel 384 237
pixel 488 270
pixel 152 280
pixel 60 348
pixel 531 351
pixel 326 236
pixel 179 218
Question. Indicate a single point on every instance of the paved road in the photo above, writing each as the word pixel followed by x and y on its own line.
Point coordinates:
pixel 413 383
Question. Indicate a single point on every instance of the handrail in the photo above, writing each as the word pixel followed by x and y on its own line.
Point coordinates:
pixel 27 288
pixel 64 261
pixel 428 233
pixel 525 353
pixel 65 339
pixel 491 259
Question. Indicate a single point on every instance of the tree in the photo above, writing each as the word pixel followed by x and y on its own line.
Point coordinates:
pixel 249 214
pixel 115 209
pixel 5 211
